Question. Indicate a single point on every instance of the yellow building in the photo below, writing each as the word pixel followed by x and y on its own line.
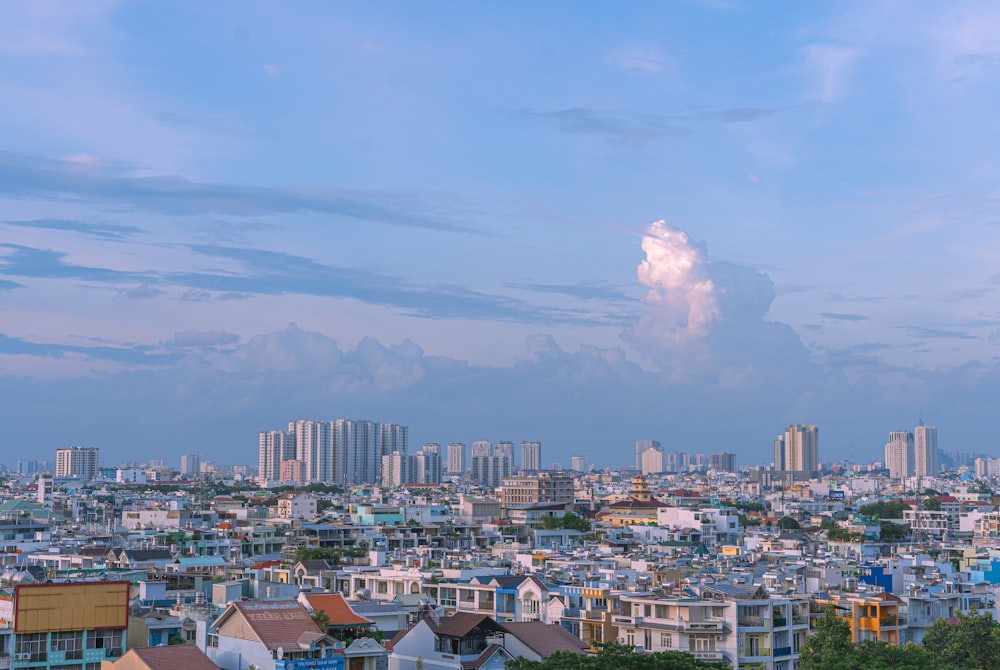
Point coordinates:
pixel 875 617
pixel 638 509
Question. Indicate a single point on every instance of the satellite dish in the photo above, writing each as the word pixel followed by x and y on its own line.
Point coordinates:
pixel 281 653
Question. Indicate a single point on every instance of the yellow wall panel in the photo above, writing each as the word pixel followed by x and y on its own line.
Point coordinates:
pixel 76 606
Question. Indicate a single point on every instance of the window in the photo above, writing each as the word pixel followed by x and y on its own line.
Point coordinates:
pixel 109 640
pixel 34 645
pixel 666 640
pixel 70 642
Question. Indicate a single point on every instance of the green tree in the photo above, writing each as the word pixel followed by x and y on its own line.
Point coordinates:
pixel 788 523
pixel 830 647
pixel 970 641
pixel 932 504
pixel 879 656
pixel 884 509
pixel 618 656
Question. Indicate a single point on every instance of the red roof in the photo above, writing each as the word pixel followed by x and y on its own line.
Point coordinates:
pixel 336 608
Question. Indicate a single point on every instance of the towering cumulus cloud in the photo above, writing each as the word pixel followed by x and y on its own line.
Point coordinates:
pixel 682 297
pixel 709 319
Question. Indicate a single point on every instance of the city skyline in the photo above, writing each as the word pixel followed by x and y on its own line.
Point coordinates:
pixel 693 222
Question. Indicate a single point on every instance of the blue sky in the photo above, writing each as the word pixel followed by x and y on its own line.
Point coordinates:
pixel 585 223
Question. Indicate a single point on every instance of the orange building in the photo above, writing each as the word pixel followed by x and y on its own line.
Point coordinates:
pixel 875 617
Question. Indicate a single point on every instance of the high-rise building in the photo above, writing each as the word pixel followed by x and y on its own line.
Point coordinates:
pixel 482 448
pixel 359 454
pixel 578 463
pixel 456 458
pixel 800 449
pixel 490 470
pixel 505 448
pixel 314 447
pixel 424 468
pixel 925 450
pixel 531 455
pixel 899 454
pixel 276 446
pixel 191 463
pixel 79 462
pixel 291 472
pixel 651 461
pixel 640 448
pixel 394 470
pixel 722 462
pixel 431 448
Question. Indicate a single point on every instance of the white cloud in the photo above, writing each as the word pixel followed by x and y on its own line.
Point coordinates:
pixel 829 68
pixel 645 60
pixel 271 69
pixel 681 302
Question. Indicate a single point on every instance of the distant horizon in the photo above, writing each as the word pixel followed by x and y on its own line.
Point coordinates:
pixel 699 221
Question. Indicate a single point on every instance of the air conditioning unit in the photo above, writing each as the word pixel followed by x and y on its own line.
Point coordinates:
pixel 23 657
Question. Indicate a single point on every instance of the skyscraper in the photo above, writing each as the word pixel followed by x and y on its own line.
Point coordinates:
pixel 925 448
pixel 651 461
pixel 801 448
pixel 77 462
pixel 505 448
pixel 314 447
pixel 641 446
pixel 394 470
pixel 482 448
pixel 899 454
pixel 579 463
pixel 190 464
pixel 276 446
pixel 456 458
pixel 531 455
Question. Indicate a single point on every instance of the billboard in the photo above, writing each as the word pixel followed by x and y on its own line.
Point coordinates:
pixel 39 608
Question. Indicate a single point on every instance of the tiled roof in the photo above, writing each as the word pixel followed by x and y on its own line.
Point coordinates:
pixel 545 639
pixel 337 609
pixel 461 624
pixel 174 657
pixel 279 623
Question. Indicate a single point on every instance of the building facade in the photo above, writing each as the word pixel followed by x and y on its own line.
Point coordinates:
pixel 79 462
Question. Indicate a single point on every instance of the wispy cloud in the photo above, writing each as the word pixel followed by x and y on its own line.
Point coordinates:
pixel 37 177
pixel 97 230
pixel 265 272
pixel 841 316
pixel 128 355
pixel 589 121
pixel 644 60
pixel 829 68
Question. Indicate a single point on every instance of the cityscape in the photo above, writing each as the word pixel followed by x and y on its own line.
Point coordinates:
pixel 499 336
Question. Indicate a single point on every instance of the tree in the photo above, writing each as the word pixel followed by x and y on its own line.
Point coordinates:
pixel 879 656
pixel 932 504
pixel 888 509
pixel 830 647
pixel 970 641
pixel 788 523
pixel 619 656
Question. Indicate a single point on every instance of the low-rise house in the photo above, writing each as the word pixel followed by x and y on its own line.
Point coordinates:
pixel 456 642
pixel 173 657
pixel 277 635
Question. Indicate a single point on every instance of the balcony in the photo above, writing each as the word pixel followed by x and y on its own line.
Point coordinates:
pixel 780 622
pixel 782 651
pixel 751 622
pixel 626 620
pixel 704 626
pixel 708 655
pixel 4 662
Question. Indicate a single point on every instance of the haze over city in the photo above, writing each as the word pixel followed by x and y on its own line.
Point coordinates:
pixel 694 222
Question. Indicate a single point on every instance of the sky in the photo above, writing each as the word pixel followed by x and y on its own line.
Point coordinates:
pixel 585 223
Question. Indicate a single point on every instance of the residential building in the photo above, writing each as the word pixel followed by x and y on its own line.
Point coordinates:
pixel 641 446
pixel 578 463
pixel 273 635
pixel 171 657
pixel 873 617
pixel 545 488
pixel 70 626
pixel 394 470
pixel 79 462
pixel 456 458
pixel 276 447
pixel 463 640
pixel 899 454
pixel 799 449
pixel 651 461
pixel 191 464
pixel 297 505
pixel 925 449
pixel 722 462
pixel 531 455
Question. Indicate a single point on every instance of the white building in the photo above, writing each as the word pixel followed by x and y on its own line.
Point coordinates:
pixel 899 454
pixel 925 448
pixel 79 462
pixel 531 455
pixel 456 458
